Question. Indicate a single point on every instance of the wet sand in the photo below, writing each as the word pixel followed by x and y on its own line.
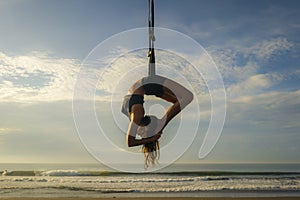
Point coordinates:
pixel 161 198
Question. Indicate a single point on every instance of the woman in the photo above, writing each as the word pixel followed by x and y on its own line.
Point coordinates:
pixel 163 88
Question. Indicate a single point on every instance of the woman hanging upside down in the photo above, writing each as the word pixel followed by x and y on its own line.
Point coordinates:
pixel 149 127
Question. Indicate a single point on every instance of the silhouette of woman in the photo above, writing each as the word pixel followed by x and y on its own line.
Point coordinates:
pixel 132 107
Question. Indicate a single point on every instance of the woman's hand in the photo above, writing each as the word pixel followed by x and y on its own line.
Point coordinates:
pixel 155 137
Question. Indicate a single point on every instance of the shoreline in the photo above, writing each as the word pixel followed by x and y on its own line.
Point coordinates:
pixel 152 198
pixel 160 196
pixel 209 195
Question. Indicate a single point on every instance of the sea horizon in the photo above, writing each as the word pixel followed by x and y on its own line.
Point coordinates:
pixel 176 167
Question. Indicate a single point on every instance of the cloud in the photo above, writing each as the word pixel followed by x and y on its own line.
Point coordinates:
pixel 272 111
pixel 9 130
pixel 230 66
pixel 129 67
pixel 268 121
pixel 36 77
pixel 268 48
pixel 237 54
pixel 39 77
pixel 243 68
pixel 254 85
pixel 39 132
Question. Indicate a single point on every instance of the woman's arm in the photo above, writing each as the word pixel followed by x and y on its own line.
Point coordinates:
pixel 131 141
pixel 136 115
pixel 131 136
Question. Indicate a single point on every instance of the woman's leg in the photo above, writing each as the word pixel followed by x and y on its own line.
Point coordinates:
pixel 176 94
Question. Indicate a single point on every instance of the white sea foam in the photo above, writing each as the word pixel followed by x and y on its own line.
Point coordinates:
pixel 61 173
pixel 84 182
pixel 72 181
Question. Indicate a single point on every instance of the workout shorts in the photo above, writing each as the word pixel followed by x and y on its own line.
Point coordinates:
pixel 153 85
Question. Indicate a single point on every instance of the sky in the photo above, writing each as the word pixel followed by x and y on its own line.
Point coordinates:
pixel 254 44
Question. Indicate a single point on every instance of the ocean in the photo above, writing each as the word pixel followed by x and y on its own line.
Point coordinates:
pixel 189 180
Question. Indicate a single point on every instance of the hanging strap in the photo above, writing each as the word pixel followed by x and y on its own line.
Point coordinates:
pixel 151 53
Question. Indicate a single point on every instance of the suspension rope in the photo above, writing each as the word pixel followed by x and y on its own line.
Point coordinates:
pixel 151 53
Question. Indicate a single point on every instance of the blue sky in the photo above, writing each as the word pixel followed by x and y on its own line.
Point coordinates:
pixel 255 44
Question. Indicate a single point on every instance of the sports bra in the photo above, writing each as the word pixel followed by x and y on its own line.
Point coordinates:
pixel 153 85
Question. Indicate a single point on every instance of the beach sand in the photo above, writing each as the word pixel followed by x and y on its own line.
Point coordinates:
pixel 162 198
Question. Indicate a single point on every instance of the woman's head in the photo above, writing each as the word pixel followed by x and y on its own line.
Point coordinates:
pixel 150 150
pixel 147 126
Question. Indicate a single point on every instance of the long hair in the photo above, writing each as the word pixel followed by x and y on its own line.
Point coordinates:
pixel 150 150
pixel 151 153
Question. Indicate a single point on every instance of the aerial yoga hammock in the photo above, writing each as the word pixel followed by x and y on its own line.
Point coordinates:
pixel 150 128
